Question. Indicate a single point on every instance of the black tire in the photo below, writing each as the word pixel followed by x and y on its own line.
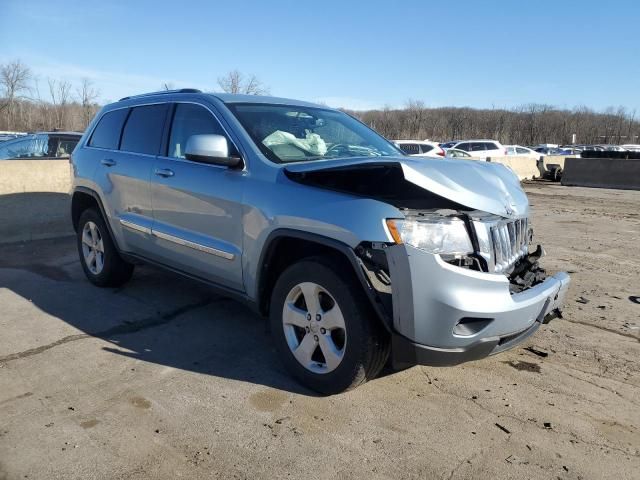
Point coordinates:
pixel 368 344
pixel 557 174
pixel 115 271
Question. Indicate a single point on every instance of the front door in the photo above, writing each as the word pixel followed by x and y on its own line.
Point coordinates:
pixel 197 207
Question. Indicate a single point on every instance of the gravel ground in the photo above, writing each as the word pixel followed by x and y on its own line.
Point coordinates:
pixel 163 379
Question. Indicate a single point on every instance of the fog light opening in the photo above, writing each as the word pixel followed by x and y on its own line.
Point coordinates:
pixel 469 326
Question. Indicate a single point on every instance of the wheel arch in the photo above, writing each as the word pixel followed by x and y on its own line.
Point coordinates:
pixel 83 198
pixel 296 245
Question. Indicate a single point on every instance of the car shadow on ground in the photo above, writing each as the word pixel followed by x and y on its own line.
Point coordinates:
pixel 33 215
pixel 158 317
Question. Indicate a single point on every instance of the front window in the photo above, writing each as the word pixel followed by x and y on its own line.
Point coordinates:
pixel 296 134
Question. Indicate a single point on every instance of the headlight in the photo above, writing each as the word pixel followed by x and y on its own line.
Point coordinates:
pixel 435 234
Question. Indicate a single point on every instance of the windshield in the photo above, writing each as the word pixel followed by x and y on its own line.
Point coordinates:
pixel 296 134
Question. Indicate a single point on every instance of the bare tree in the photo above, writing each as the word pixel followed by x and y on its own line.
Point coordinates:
pixel 60 91
pixel 87 96
pixel 236 82
pixel 14 79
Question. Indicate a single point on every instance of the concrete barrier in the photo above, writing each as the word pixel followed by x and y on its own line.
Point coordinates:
pixel 602 173
pixel 524 167
pixel 554 160
pixel 34 200
pixel 20 176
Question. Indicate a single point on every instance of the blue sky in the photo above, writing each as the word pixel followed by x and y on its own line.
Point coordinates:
pixel 354 54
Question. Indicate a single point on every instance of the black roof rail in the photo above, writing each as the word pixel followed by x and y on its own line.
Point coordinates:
pixel 163 92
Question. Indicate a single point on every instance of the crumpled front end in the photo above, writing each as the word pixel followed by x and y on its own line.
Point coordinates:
pixel 444 314
pixel 445 308
pixel 455 279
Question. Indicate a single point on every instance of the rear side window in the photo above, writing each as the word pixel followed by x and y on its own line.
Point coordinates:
pixel 490 146
pixel 426 148
pixel 107 133
pixel 410 148
pixel 143 130
pixel 190 119
pixel 522 150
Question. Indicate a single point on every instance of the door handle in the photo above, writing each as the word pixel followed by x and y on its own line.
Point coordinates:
pixel 163 172
pixel 108 162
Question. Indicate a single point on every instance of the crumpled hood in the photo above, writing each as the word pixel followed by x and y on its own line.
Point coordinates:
pixel 485 186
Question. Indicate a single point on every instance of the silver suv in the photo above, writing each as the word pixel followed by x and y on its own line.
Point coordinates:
pixel 354 251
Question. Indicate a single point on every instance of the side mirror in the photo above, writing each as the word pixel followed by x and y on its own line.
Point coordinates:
pixel 212 149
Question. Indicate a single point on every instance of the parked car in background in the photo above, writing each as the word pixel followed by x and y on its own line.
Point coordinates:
pixel 420 148
pixel 613 148
pixel 574 149
pixel 571 150
pixel 551 151
pixel 631 147
pixel 42 145
pixel 482 148
pixel 449 144
pixel 520 151
pixel 4 136
pixel 352 250
pixel 455 153
pixel 584 147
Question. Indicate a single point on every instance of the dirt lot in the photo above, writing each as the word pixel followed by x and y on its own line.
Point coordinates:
pixel 163 379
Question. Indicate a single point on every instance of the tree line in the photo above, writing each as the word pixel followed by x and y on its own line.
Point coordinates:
pixel 530 124
pixel 29 104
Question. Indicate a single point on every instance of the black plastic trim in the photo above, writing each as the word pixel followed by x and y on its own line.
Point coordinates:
pixel 96 197
pixel 405 353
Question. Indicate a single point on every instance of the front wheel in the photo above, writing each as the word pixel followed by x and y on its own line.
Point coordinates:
pixel 324 328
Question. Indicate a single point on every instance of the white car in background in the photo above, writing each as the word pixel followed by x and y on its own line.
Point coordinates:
pixel 520 151
pixel 482 148
pixel 420 148
pixel 631 147
pixel 455 153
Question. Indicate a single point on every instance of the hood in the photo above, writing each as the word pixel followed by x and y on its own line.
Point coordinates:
pixel 478 185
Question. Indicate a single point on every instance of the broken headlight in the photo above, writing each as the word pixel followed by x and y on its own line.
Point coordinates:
pixel 435 234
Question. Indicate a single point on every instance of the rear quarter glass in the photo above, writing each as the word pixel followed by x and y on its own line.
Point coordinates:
pixel 107 133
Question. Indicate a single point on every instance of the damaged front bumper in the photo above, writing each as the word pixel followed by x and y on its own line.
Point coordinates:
pixel 446 315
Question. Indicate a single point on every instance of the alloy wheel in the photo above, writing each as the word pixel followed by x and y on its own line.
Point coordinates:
pixel 314 327
pixel 92 248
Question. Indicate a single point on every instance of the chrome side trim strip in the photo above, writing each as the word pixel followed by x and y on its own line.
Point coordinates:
pixel 195 246
pixel 135 226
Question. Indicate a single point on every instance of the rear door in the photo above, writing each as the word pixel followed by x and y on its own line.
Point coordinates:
pixel 129 140
pixel 197 207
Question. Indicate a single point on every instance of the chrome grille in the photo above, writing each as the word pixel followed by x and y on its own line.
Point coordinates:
pixel 509 242
pixel 502 241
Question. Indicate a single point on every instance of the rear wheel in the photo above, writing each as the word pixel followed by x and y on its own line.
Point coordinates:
pixel 324 327
pixel 99 257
